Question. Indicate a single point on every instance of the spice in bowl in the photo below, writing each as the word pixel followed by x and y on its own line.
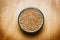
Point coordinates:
pixel 31 19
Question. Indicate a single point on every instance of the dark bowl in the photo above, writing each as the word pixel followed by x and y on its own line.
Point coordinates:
pixel 34 30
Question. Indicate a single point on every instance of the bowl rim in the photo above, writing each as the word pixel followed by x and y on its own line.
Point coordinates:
pixel 36 29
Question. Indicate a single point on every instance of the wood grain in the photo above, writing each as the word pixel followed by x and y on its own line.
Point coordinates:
pixel 10 9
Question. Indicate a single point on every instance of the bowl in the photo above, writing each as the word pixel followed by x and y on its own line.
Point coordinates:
pixel 31 20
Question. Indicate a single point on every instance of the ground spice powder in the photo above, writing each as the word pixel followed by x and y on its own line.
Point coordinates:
pixel 30 19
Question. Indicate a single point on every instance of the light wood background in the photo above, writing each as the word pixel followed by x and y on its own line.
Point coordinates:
pixel 10 9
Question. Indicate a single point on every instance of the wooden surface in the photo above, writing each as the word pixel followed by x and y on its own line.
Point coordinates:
pixel 10 9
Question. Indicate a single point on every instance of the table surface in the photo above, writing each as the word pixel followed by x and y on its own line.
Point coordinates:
pixel 10 9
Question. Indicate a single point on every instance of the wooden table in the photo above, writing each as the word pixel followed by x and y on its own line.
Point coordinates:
pixel 10 9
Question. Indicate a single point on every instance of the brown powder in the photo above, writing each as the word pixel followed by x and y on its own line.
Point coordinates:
pixel 30 19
